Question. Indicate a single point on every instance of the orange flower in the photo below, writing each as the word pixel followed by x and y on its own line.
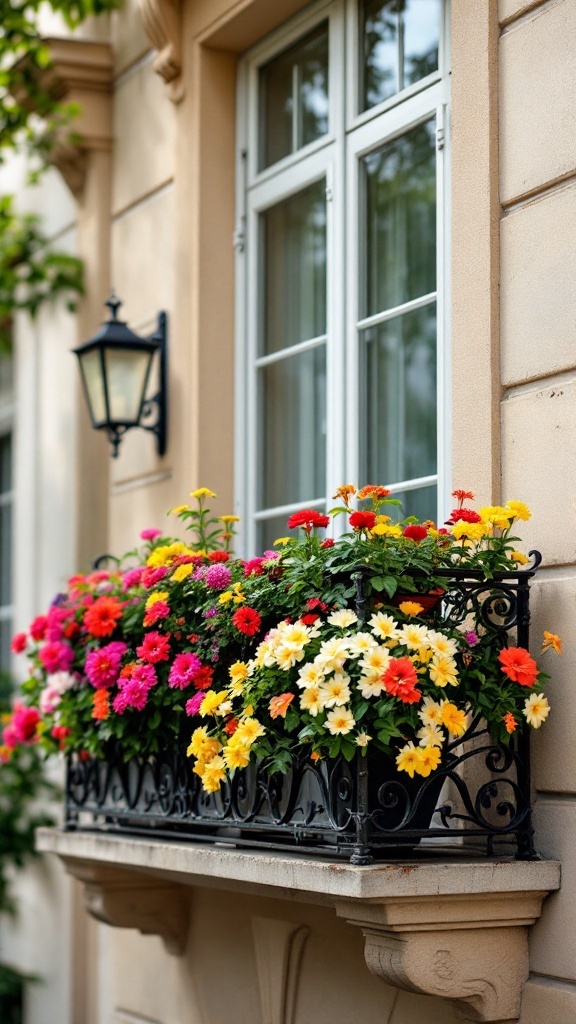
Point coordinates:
pixel 101 705
pixel 345 492
pixel 101 618
pixel 400 680
pixel 510 722
pixel 463 495
pixel 552 640
pixel 231 726
pixel 373 491
pixel 279 705
pixel 517 664
pixel 315 756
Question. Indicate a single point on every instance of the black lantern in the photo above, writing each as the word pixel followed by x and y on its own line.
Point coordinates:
pixel 115 366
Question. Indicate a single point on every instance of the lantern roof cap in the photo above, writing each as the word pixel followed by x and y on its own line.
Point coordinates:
pixel 116 332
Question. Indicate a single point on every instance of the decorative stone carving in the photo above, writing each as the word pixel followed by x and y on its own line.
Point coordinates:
pixel 278 946
pixel 163 25
pixel 472 950
pixel 127 899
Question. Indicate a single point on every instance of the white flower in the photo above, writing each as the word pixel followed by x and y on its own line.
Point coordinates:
pixel 332 654
pixel 363 739
pixel 384 626
pixel 413 636
pixel 361 643
pixel 441 644
pixel 335 692
pixel 371 685
pixel 340 722
pixel 310 675
pixel 430 736
pixel 49 700
pixel 430 712
pixel 61 681
pixel 342 617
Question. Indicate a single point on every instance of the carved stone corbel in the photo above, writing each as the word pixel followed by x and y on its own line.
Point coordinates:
pixel 127 899
pixel 278 946
pixel 162 21
pixel 470 949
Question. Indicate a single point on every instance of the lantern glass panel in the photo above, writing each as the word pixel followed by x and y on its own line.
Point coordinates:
pixel 91 364
pixel 127 374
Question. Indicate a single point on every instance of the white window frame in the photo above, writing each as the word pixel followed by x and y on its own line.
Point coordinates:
pixel 336 156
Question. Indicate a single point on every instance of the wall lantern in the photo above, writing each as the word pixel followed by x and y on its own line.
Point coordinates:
pixel 115 367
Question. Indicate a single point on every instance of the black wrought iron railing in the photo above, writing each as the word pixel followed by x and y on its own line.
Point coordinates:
pixel 476 801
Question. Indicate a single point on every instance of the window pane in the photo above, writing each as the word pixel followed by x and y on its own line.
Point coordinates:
pixel 292 429
pixel 5 554
pixel 294 269
pixel 5 638
pixel 398 46
pixel 400 197
pixel 294 98
pixel 398 398
pixel 421 502
pixel 5 463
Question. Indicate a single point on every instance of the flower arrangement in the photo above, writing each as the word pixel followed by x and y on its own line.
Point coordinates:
pixel 262 659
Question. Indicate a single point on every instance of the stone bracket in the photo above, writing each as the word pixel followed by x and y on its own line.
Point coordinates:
pixel 128 899
pixel 470 949
pixel 162 20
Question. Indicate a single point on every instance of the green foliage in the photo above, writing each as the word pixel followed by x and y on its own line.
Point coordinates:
pixel 30 273
pixel 22 785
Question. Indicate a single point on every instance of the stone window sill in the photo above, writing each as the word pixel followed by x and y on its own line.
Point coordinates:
pixel 455 928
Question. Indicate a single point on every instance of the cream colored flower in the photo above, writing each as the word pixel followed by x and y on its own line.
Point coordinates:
pixel 384 626
pixel 360 643
pixel 536 710
pixel 333 654
pixel 310 675
pixel 342 617
pixel 340 721
pixel 413 636
pixel 310 701
pixel 430 736
pixel 363 739
pixel 443 671
pixel 335 692
pixel 430 712
pixel 376 659
pixel 442 644
pixel 371 685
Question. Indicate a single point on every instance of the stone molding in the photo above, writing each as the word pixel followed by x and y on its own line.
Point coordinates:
pixel 452 928
pixel 162 21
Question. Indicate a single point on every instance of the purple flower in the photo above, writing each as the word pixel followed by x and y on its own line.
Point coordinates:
pixel 217 576
pixel 210 613
pixel 150 534
pixel 184 668
pixel 193 705
pixel 471 638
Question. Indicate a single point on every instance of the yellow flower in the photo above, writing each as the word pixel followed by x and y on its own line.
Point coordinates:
pixel 248 732
pixel 203 746
pixel 453 719
pixel 225 597
pixel 469 531
pixel 282 540
pixel 536 710
pixel 496 515
pixel 236 755
pixel 340 722
pixel 179 509
pixel 213 774
pixel 409 759
pixel 212 702
pixel 428 761
pixel 182 572
pixel 517 556
pixel 410 607
pixel 552 640
pixel 311 701
pixel 519 510
pixel 386 530
pixel 229 519
pixel 345 492
pixel 166 553
pixel 157 595
pixel 238 673
pixel 202 492
pixel 443 670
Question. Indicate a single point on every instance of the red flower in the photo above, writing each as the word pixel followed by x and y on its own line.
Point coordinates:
pixel 247 621
pixel 328 543
pixel 202 679
pixel 102 617
pixel 59 733
pixel 463 496
pixel 18 643
pixel 308 620
pixel 415 532
pixel 255 567
pixel 315 602
pixel 218 556
pixel 518 665
pixel 38 627
pixel 467 515
pixel 159 610
pixel 154 648
pixel 307 519
pixel 400 677
pixel 362 520
pixel 231 726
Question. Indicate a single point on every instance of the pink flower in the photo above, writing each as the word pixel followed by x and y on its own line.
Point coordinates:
pixel 150 577
pixel 193 705
pixel 103 666
pixel 154 648
pixel 18 644
pixel 135 689
pixel 150 534
pixel 217 576
pixel 184 668
pixel 49 700
pixel 132 577
pixel 9 738
pixel 55 623
pixel 38 627
pixel 159 610
pixel 24 723
pixel 56 656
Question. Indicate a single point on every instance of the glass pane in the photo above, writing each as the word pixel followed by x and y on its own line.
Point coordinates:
pixel 268 530
pixel 5 638
pixel 398 46
pixel 5 463
pixel 5 554
pixel 400 197
pixel 91 366
pixel 398 398
pixel 421 502
pixel 294 98
pixel 294 270
pixel 126 373
pixel 292 429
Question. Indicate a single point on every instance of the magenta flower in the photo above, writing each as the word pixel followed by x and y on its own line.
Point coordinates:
pixel 132 577
pixel 150 534
pixel 217 576
pixel 184 668
pixel 24 723
pixel 55 621
pixel 193 705
pixel 255 567
pixel 154 648
pixel 471 638
pixel 103 666
pixel 56 656
pixel 150 576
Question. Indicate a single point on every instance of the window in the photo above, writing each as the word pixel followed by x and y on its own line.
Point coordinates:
pixel 341 238
pixel 6 499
